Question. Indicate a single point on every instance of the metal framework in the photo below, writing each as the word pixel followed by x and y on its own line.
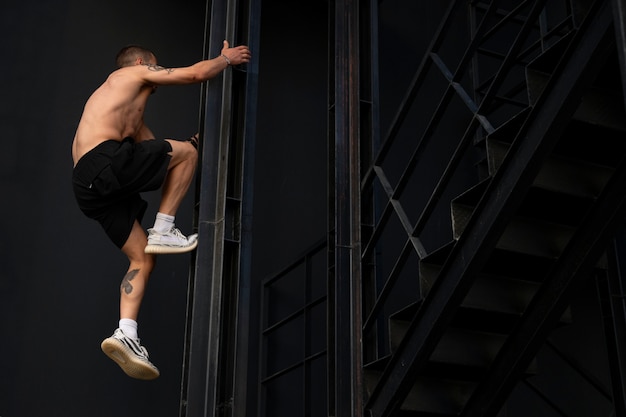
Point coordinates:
pixel 501 199
pixel 215 362
pixel 385 193
pixel 346 396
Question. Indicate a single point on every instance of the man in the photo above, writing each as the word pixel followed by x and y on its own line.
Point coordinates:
pixel 116 158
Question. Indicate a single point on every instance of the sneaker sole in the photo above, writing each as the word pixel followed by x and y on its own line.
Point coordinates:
pixel 164 250
pixel 123 356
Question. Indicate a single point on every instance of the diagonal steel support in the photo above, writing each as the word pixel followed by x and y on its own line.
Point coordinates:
pixel 579 257
pixel 611 294
pixel 619 12
pixel 575 265
pixel 504 194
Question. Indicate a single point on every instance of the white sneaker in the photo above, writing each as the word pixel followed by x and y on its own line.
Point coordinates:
pixel 129 355
pixel 171 242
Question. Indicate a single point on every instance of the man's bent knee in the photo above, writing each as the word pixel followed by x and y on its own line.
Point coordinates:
pixel 182 151
pixel 194 140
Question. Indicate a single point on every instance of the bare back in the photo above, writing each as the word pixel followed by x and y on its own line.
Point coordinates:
pixel 114 111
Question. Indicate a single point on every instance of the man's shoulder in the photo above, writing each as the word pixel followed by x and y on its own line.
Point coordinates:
pixel 125 77
pixel 133 71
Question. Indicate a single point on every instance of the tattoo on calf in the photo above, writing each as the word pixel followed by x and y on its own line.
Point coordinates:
pixel 126 286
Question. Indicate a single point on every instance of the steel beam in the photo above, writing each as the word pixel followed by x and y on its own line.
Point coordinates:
pixel 348 374
pixel 208 364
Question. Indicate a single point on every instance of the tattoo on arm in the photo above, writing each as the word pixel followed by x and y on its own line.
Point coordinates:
pixel 126 285
pixel 153 67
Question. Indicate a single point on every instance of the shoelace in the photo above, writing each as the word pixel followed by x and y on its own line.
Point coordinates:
pixel 176 232
pixel 145 351
pixel 140 346
pixel 136 342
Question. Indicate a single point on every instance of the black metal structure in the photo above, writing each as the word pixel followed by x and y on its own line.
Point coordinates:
pixel 217 326
pixel 345 287
pixel 458 242
pixel 528 78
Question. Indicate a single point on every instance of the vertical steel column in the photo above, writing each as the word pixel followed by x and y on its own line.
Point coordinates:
pixel 245 389
pixel 202 370
pixel 348 383
pixel 371 202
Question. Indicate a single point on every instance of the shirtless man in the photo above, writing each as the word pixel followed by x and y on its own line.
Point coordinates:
pixel 116 157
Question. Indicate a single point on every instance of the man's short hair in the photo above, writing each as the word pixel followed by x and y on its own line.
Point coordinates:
pixel 128 54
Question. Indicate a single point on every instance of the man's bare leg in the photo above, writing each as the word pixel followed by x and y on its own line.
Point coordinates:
pixel 140 267
pixel 125 349
pixel 179 176
pixel 164 237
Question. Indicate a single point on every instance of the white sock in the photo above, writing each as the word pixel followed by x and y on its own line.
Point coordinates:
pixel 129 327
pixel 163 222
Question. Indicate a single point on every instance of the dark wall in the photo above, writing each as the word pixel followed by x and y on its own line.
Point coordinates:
pixel 292 132
pixel 59 275
pixel 290 194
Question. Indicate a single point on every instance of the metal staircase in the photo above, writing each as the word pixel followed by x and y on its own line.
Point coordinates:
pixel 534 183
pixel 488 207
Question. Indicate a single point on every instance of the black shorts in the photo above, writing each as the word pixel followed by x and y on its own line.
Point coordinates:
pixel 108 179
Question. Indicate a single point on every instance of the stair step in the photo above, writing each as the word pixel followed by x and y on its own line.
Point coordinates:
pixel 545 221
pixel 428 395
pixel 434 395
pixel 592 143
pixel 507 130
pixel 602 108
pixel 467 349
pixel 555 207
pixel 541 204
pixel 502 262
pixel 461 347
pixel 468 317
pixel 559 173
pixel 485 320
pixel 490 292
pixel 536 238
pixel 500 293
pixel 539 71
pixel 528 235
